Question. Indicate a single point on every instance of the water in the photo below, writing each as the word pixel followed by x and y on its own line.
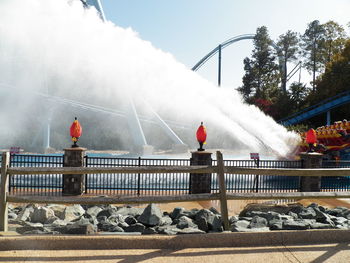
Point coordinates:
pixel 60 49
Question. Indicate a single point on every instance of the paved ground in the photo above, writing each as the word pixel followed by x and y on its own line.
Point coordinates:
pixel 317 253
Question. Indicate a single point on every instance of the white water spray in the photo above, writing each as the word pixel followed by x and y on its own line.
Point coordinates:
pixel 59 47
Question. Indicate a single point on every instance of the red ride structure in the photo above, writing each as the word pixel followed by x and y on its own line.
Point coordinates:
pixel 332 140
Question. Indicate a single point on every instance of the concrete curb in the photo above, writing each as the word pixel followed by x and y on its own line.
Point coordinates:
pixel 227 239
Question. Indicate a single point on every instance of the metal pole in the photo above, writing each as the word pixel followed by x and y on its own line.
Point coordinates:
pixel 219 67
pixel 329 117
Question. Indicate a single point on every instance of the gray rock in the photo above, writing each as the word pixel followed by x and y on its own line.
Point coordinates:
pixel 308 213
pixel 233 219
pixel 258 222
pixel 149 231
pixel 41 215
pixel 214 211
pixel 202 224
pixel 57 209
pixel 185 222
pixel 78 229
pixel 240 226
pixel 190 230
pixel 277 225
pixel 73 212
pixel 216 225
pixel 167 230
pixel 11 216
pixel 130 220
pixel 93 211
pixel 177 212
pixel 30 227
pixel 130 211
pixel 35 232
pixel 165 220
pixel 59 223
pixel 107 212
pixel 151 216
pixel 24 215
pixel 340 220
pixel 318 225
pixel 295 225
pixel 135 228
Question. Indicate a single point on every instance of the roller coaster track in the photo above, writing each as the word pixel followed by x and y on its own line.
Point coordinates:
pixel 227 43
pixel 321 107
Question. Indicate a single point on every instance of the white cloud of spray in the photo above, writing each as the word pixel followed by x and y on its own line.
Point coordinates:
pixel 57 45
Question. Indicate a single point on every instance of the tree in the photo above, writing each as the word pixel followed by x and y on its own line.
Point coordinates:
pixel 334 40
pixel 298 93
pixel 287 49
pixel 261 72
pixel 312 42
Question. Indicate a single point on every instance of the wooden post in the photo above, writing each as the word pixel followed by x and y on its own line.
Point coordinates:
pixel 222 187
pixel 3 191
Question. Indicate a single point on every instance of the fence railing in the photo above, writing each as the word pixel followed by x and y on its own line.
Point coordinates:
pixel 138 184
pixel 219 169
pixel 143 184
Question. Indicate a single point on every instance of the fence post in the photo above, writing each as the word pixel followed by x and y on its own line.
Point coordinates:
pixel 200 183
pixel 3 191
pixel 222 191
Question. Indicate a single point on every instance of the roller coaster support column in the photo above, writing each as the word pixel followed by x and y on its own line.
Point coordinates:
pixel 311 183
pixel 329 117
pixel 219 67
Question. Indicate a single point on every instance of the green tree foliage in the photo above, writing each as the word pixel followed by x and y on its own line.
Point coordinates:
pixel 334 40
pixel 336 78
pixel 260 82
pixel 312 41
pixel 287 50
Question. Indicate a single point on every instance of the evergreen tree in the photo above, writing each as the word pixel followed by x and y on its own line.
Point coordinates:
pixel 287 49
pixel 312 42
pixel 261 72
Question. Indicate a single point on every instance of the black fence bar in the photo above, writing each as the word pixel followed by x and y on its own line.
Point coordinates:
pixel 161 184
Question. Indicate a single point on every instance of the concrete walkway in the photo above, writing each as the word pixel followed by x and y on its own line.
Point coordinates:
pixel 336 253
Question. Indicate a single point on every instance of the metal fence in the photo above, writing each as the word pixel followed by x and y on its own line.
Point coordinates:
pixel 159 184
pixel 46 184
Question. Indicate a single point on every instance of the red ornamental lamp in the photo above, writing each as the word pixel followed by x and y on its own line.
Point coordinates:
pixel 75 132
pixel 201 135
pixel 311 139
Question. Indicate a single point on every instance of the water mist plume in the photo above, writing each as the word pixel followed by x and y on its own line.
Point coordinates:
pixel 59 48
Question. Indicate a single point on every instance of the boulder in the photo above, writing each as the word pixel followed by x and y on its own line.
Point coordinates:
pixel 93 211
pixel 240 226
pixel 149 231
pixel 42 215
pixel 25 214
pixel 184 222
pixel 108 211
pixel 295 225
pixel 135 228
pixel 130 211
pixel 73 212
pixel 190 230
pixel 258 222
pixel 177 212
pixel 165 220
pixel 151 216
pixel 57 209
pixel 216 224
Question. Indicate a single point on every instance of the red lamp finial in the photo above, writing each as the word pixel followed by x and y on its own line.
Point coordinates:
pixel 75 132
pixel 311 139
pixel 201 135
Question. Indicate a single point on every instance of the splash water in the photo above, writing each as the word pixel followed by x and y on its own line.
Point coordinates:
pixel 60 48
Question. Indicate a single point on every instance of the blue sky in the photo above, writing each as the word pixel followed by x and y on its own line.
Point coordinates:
pixel 189 29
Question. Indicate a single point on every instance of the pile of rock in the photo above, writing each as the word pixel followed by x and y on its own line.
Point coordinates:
pixel 77 219
pixel 257 217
